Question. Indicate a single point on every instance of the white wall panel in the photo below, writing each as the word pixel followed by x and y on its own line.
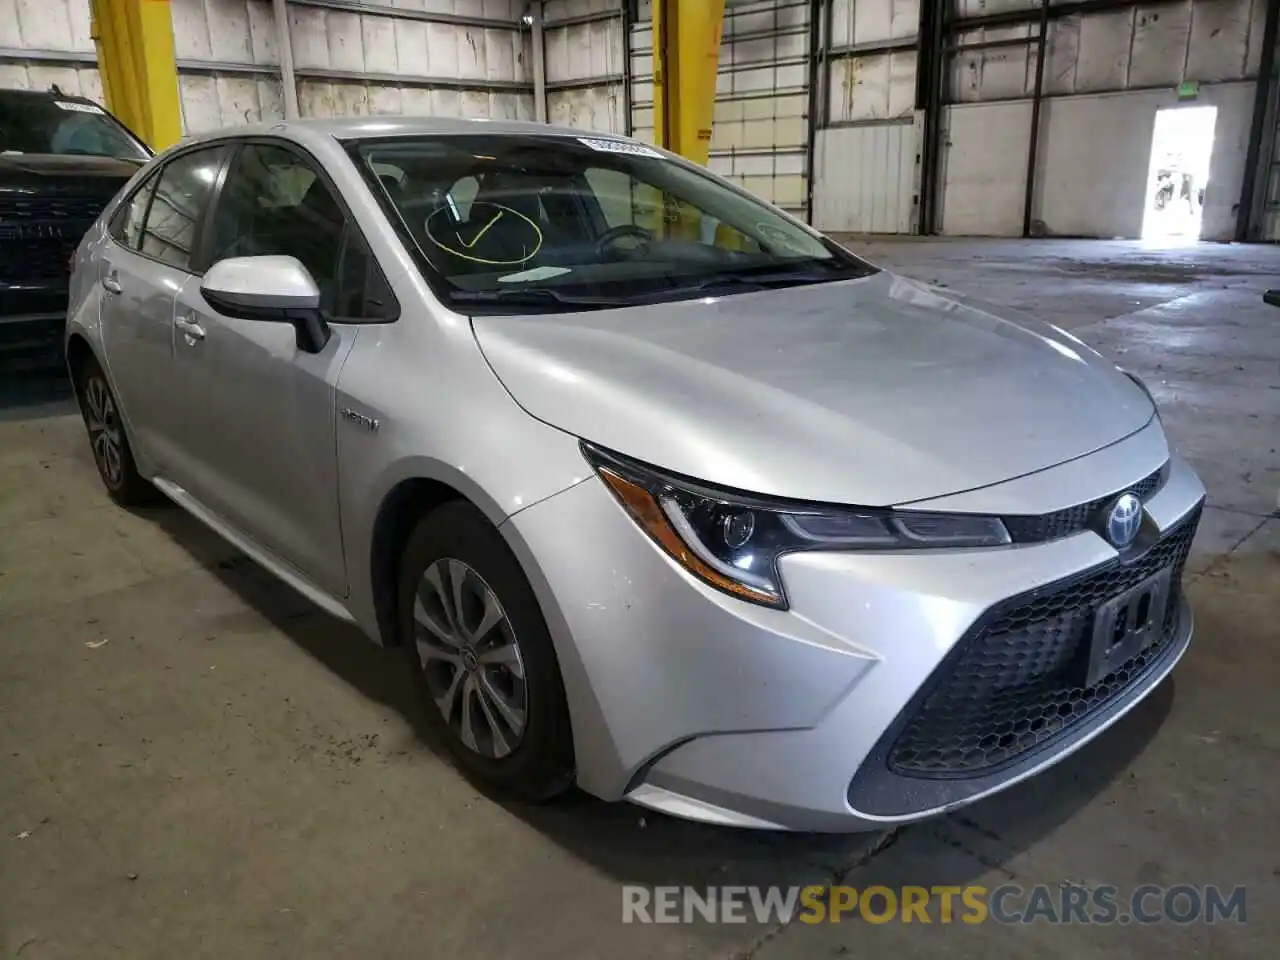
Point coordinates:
pixel 234 31
pixel 327 39
pixel 227 57
pixel 217 32
pixel 873 21
pixel 998 73
pixel 1103 54
pixel 509 10
pixel 597 108
pixel 320 98
pixel 586 60
pixel 1084 190
pixel 583 51
pixel 563 9
pixel 1141 47
pixel 213 102
pixel 45 24
pixel 1219 42
pixel 864 178
pixel 873 86
pixel 1160 39
pixel 982 8
pixel 83 81
pixel 984 169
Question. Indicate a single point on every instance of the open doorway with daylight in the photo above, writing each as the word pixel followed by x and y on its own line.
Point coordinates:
pixel 1180 151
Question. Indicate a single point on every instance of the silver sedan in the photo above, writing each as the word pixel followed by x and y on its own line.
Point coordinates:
pixel 663 493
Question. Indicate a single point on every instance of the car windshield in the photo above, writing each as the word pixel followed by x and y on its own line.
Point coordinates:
pixel 509 223
pixel 56 125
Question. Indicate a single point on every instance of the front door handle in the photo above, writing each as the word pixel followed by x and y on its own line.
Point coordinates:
pixel 190 328
pixel 111 283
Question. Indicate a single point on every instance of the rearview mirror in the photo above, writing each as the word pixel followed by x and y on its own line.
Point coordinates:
pixel 273 289
pixel 1272 297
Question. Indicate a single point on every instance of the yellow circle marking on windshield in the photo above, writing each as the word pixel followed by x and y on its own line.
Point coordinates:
pixel 779 236
pixel 502 211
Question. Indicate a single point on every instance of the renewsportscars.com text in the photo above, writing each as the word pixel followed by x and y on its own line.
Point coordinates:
pixel 1009 903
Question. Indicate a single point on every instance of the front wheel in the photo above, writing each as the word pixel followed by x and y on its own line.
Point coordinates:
pixel 481 655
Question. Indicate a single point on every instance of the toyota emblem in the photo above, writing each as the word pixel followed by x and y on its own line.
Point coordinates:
pixel 1123 520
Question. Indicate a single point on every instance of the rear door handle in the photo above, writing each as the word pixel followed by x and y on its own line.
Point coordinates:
pixel 111 283
pixel 189 327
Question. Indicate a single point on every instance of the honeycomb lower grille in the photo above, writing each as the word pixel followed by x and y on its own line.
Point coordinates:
pixel 1017 680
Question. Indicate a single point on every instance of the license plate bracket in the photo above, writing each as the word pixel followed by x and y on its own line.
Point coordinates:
pixel 1127 624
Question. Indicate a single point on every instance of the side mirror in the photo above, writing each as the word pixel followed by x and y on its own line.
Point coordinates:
pixel 1272 297
pixel 273 289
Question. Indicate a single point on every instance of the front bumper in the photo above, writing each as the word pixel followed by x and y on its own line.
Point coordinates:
pixel 695 703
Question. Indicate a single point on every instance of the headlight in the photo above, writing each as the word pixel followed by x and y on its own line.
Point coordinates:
pixel 733 540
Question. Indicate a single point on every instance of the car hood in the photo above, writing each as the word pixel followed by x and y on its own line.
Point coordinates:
pixel 36 169
pixel 875 391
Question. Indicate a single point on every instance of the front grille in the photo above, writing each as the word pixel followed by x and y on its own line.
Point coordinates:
pixel 22 261
pixel 1016 680
pixel 38 234
pixel 51 207
pixel 1063 523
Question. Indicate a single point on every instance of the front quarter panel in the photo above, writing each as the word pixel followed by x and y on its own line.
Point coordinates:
pixel 417 401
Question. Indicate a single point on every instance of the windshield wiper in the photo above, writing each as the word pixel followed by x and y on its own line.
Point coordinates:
pixel 536 297
pixel 759 281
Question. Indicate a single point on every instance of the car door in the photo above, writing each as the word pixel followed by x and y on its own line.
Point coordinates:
pixel 143 264
pixel 262 416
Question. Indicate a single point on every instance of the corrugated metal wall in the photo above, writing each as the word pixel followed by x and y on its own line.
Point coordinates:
pixel 760 132
pixel 586 64
pixel 1106 74
pixel 43 42
pixel 866 152
pixel 228 62
pixel 445 57
pixel 388 59
pixel 864 178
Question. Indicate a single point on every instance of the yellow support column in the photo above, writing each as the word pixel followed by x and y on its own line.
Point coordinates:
pixel 139 73
pixel 686 53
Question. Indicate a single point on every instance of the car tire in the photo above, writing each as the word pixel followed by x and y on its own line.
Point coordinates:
pixel 108 441
pixel 490 688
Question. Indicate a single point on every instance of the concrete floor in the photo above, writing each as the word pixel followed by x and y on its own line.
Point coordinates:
pixel 197 763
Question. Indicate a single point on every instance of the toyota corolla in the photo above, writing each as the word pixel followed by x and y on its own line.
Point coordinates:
pixel 663 493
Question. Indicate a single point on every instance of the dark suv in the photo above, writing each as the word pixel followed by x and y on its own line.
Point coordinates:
pixel 61 159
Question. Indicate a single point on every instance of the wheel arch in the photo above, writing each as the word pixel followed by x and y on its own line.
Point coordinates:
pixel 79 351
pixel 393 524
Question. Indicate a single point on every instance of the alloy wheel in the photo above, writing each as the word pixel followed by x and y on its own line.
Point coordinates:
pixel 471 658
pixel 103 422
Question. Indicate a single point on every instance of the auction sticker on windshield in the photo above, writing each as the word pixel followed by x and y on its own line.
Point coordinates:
pixel 620 146
pixel 77 107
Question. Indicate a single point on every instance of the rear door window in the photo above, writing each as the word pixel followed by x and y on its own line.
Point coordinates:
pixel 181 196
pixel 128 220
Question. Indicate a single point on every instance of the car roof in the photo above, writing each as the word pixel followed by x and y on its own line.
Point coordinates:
pixel 356 128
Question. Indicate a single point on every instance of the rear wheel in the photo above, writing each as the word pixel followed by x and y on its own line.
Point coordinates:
pixel 481 655
pixel 107 439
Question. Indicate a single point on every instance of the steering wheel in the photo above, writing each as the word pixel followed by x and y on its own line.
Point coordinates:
pixel 609 239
